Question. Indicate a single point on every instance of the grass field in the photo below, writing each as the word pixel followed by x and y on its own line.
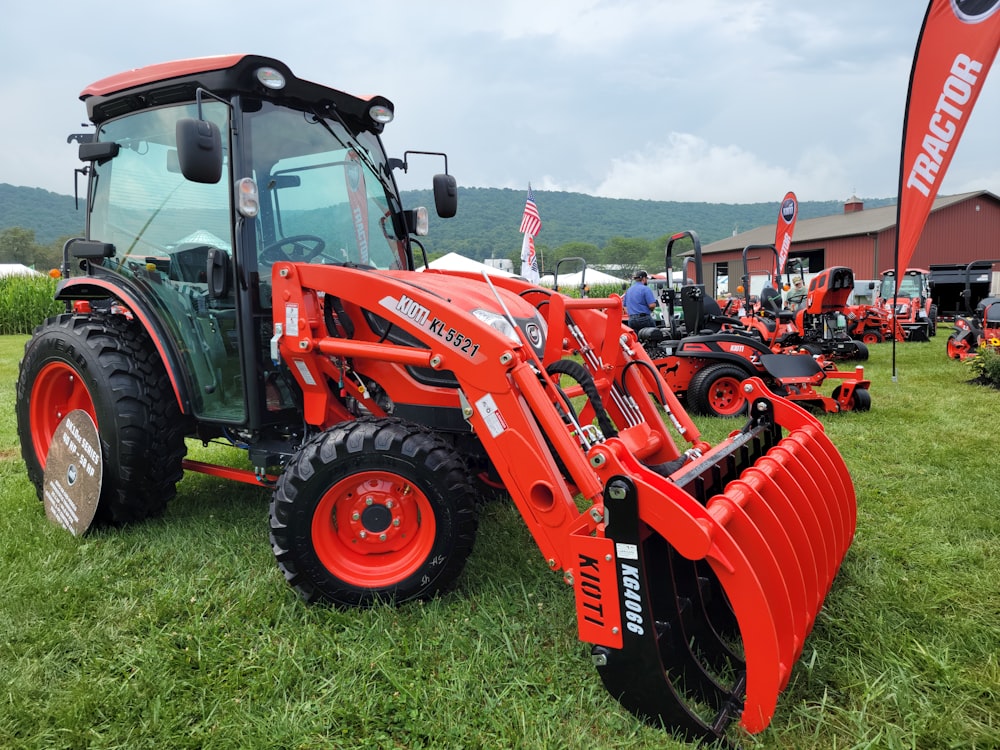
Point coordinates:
pixel 181 632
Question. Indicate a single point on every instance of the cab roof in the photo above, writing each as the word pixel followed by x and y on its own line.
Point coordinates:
pixel 179 80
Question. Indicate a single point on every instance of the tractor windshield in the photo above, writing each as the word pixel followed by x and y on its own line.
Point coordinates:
pixel 326 194
pixel 888 288
pixel 910 286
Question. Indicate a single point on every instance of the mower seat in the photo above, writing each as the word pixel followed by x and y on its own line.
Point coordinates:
pixel 792 367
pixel 988 310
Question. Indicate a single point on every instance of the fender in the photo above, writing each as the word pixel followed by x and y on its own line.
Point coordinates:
pixel 97 288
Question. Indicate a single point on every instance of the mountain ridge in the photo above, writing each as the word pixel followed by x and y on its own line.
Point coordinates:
pixel 488 219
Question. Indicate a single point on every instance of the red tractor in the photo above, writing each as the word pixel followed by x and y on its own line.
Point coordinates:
pixel 871 324
pixel 247 277
pixel 706 355
pixel 911 307
pixel 981 325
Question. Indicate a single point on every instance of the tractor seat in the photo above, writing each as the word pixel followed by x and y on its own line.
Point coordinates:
pixel 770 305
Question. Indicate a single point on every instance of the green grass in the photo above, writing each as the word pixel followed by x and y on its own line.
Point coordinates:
pixel 181 632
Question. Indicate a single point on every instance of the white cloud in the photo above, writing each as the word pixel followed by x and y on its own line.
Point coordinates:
pixel 688 168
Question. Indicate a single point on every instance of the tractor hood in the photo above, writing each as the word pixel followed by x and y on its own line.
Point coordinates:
pixel 490 303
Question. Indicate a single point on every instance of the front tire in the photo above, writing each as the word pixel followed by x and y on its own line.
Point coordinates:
pixel 108 367
pixel 957 349
pixel 860 400
pixel 373 510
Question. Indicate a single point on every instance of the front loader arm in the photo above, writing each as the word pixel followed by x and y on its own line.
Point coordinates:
pixel 507 400
pixel 697 574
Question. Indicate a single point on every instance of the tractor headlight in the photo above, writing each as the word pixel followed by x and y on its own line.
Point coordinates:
pixel 499 322
pixel 534 329
pixel 270 78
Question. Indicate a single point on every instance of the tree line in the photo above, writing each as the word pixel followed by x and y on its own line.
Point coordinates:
pixel 608 233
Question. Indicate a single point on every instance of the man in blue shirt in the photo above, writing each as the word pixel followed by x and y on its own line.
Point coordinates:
pixel 639 303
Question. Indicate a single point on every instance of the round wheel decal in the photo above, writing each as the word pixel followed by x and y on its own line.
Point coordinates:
pixel 73 473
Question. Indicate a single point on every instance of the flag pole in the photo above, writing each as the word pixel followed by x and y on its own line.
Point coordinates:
pixel 899 192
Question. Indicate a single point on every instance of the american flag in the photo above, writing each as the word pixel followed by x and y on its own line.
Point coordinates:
pixel 531 222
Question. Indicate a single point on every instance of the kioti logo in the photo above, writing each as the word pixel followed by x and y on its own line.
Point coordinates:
pixel 974 11
pixel 788 207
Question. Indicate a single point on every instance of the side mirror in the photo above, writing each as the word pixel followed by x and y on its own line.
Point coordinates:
pixel 445 195
pixel 199 150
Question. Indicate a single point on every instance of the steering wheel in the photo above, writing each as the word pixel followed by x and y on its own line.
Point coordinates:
pixel 304 247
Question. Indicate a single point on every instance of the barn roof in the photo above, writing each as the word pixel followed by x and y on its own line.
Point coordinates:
pixel 835 225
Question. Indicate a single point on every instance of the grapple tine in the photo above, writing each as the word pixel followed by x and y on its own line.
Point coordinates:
pixel 688 640
pixel 805 492
pixel 842 527
pixel 672 663
pixel 838 531
pixel 775 543
pixel 817 447
pixel 799 523
pixel 821 449
pixel 717 632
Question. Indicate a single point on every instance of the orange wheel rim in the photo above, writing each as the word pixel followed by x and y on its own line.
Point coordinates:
pixel 56 392
pixel 726 396
pixel 373 529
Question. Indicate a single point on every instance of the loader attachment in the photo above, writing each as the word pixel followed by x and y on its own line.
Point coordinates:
pixel 722 568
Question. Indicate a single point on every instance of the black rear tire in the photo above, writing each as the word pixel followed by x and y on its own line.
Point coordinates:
pixel 716 391
pixel 373 510
pixel 107 366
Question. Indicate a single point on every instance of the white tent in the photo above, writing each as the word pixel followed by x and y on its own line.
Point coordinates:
pixel 591 276
pixel 17 269
pixel 456 262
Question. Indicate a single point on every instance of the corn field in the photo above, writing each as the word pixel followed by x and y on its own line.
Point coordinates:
pixel 25 301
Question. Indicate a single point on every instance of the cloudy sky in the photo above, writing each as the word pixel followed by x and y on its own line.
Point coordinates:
pixel 703 100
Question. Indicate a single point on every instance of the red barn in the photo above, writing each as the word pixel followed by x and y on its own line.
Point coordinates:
pixel 960 229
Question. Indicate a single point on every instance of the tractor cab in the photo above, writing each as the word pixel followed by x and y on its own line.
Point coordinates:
pixel 206 173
